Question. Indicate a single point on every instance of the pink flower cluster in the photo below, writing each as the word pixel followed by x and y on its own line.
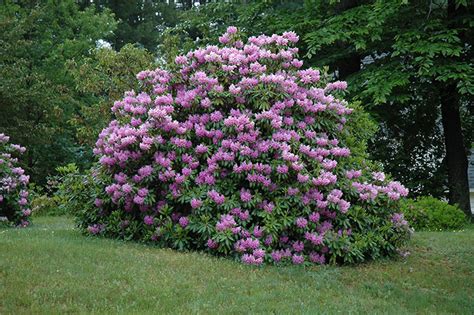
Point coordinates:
pixel 95 229
pixel 14 203
pixel 245 144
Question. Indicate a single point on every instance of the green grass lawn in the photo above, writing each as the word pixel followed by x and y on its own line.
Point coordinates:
pixel 51 268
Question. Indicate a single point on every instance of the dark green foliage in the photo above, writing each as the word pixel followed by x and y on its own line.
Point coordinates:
pixel 37 97
pixel 72 189
pixel 139 22
pixel 431 214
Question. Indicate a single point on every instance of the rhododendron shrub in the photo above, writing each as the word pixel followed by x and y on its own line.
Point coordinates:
pixel 238 151
pixel 14 205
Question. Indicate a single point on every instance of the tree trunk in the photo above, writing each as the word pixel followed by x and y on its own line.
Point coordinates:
pixel 456 153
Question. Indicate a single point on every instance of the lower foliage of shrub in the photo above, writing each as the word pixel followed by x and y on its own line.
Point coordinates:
pixel 14 205
pixel 237 152
pixel 431 214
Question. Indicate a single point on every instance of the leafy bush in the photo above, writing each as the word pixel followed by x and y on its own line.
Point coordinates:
pixel 69 189
pixel 14 206
pixel 431 214
pixel 237 152
pixel 67 193
pixel 41 203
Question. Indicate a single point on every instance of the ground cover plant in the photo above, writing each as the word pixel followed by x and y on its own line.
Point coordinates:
pixel 239 151
pixel 14 206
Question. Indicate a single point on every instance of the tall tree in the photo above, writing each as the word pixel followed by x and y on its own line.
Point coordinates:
pixel 456 152
pixel 102 78
pixel 37 95
pixel 139 22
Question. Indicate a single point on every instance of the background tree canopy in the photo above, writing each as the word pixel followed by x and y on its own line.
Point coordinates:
pixel 408 63
pixel 36 90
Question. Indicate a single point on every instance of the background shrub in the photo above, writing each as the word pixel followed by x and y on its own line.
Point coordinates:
pixel 14 205
pixel 66 194
pixel 41 203
pixel 236 151
pixel 431 214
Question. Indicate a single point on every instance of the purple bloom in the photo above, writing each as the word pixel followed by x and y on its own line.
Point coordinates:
pixel 98 202
pixel 302 178
pixel 148 220
pixel 145 171
pixel 293 191
pixel 301 222
pixel 298 246
pixel 378 176
pixel 196 203
pixel 142 192
pixel 344 205
pixel 212 244
pixel 245 195
pixel 284 239
pixel 268 240
pixel 398 220
pixel 248 259
pixel 225 223
pixel 93 229
pixel 267 206
pixel 314 238
pixel 276 256
pixel 244 215
pixel 216 197
pixel 317 258
pixel 314 217
pixel 138 200
pixel 127 188
pixel 259 253
pixel 297 259
pixel 258 232
pixel 183 221
pixel 282 169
